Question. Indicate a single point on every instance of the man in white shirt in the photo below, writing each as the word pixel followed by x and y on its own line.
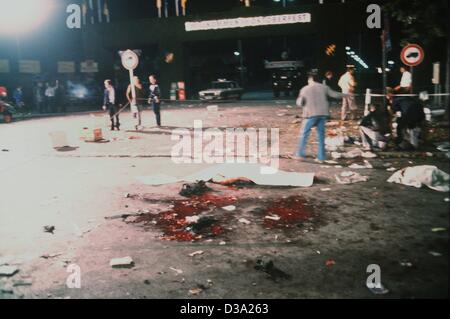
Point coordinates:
pixel 406 81
pixel 347 84
pixel 50 93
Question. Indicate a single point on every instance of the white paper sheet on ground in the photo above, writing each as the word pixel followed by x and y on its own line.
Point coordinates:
pixel 223 172
pixel 427 175
pixel 158 179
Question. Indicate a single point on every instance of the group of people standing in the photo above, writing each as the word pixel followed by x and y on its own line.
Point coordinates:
pixel 48 98
pixel 375 127
pixel 136 96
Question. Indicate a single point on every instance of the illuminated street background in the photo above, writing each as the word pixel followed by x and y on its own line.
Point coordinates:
pixel 93 211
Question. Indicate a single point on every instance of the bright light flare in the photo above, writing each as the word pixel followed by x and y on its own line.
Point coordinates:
pixel 20 16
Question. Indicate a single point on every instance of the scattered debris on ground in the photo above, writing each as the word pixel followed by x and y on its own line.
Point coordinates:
pixel 8 271
pixel 49 229
pixel 379 289
pixel 197 188
pixel 267 266
pixel 427 175
pixel 196 253
pixel 349 177
pixel 125 262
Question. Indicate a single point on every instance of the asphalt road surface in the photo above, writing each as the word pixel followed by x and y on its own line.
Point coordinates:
pixel 327 236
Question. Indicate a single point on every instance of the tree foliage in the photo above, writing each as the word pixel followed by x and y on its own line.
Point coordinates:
pixel 420 20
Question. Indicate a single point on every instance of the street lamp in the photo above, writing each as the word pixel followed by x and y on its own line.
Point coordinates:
pixel 20 16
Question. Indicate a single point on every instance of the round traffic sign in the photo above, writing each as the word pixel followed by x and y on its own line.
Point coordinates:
pixel 130 60
pixel 412 55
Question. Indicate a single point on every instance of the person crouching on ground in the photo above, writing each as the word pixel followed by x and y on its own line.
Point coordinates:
pixel 410 118
pixel 314 100
pixel 374 127
pixel 155 98
pixel 109 103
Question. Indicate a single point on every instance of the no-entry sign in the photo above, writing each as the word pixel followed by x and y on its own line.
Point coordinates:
pixel 130 60
pixel 412 55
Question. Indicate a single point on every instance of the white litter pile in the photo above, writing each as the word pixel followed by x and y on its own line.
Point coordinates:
pixel 223 172
pixel 366 165
pixel 444 147
pixel 353 153
pixel 418 176
pixel 333 143
pixel 350 177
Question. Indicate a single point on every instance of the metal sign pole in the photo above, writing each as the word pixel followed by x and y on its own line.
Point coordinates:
pixel 133 88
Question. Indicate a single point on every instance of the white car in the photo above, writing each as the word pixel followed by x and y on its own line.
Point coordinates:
pixel 222 90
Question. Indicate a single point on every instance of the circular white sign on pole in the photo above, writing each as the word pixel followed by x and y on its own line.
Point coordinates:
pixel 412 55
pixel 130 60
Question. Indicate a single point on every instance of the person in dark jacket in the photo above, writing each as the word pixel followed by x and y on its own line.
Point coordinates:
pixel 155 98
pixel 109 103
pixel 374 127
pixel 410 117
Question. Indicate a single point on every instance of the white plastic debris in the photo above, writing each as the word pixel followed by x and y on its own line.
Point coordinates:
pixel 273 217
pixel 349 177
pixel 244 221
pixel 178 271
pixel 195 253
pixel 366 165
pixel 192 219
pixel 435 254
pixel 121 262
pixel 229 208
pixel 8 271
pixel 427 175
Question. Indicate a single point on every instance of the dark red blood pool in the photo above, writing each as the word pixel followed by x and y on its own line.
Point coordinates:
pixel 173 222
pixel 291 211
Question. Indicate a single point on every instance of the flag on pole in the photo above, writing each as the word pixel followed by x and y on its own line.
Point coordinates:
pixel 99 11
pixel 183 6
pixel 91 11
pixel 159 6
pixel 106 11
pixel 84 10
pixel 166 8
pixel 177 8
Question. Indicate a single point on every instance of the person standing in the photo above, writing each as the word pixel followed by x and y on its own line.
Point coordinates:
pixel 347 84
pixel 39 97
pixel 405 82
pixel 155 98
pixel 50 94
pixel 313 98
pixel 109 103
pixel 328 80
pixel 136 103
pixel 59 98
pixel 19 99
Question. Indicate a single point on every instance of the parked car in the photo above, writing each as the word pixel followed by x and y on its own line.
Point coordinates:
pixel 222 90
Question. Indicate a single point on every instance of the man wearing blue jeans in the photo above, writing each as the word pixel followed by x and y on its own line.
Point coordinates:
pixel 316 108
